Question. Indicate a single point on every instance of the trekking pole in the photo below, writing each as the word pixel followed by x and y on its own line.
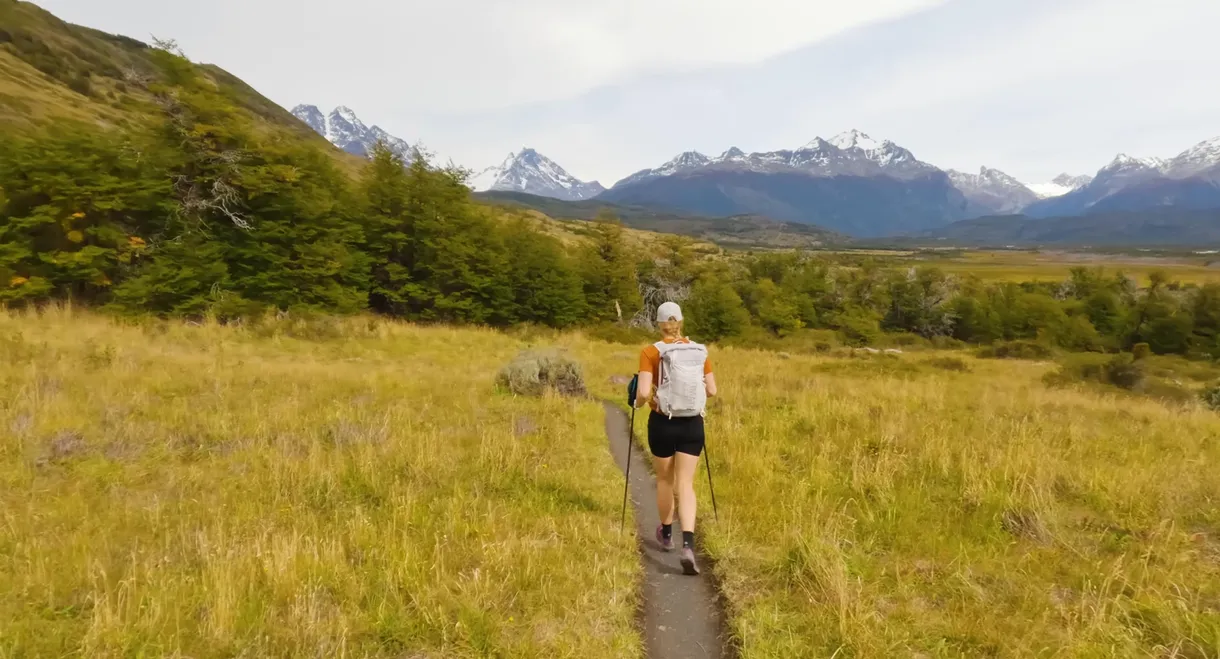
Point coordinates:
pixel 631 390
pixel 708 462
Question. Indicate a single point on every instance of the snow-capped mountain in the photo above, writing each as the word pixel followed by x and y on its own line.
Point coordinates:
pixel 688 161
pixel 849 154
pixel 345 130
pixel 1125 170
pixel 1189 180
pixel 1203 159
pixel 992 192
pixel 533 173
pixel 1060 185
pixel 852 183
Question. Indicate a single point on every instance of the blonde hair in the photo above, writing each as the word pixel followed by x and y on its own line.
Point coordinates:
pixel 671 329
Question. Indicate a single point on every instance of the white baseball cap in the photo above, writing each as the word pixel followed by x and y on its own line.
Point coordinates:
pixel 667 311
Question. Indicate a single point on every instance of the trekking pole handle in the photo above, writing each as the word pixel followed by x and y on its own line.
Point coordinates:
pixel 632 388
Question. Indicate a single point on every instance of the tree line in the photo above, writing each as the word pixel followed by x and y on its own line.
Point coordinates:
pixel 1092 310
pixel 201 210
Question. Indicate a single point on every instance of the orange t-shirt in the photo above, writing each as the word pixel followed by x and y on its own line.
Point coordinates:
pixel 650 362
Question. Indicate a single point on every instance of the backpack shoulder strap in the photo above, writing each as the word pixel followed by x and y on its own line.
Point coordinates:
pixel 662 348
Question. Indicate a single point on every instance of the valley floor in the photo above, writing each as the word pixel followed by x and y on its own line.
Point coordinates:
pixel 358 488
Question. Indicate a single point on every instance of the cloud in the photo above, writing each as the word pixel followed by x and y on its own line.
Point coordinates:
pixel 1033 87
pixel 605 88
pixel 470 55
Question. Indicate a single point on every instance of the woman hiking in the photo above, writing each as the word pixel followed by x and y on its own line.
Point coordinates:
pixel 684 379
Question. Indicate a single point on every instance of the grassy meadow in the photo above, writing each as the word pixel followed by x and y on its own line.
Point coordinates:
pixel 934 505
pixel 357 488
pixel 1055 265
pixel 361 491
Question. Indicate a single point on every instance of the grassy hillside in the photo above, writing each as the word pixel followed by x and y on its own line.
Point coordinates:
pixel 348 488
pixel 938 505
pixel 51 70
pixel 740 231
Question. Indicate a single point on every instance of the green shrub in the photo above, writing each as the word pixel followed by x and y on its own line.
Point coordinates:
pixel 1120 371
pixel 858 327
pixel 1211 397
pixel 1141 351
pixel 532 373
pixel 1016 350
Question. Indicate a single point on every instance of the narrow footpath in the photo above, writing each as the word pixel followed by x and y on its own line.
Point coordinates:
pixel 681 616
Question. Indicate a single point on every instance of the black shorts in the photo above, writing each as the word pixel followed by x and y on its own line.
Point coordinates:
pixel 667 436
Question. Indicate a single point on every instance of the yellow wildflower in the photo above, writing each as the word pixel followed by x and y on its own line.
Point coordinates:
pixel 78 216
pixel 17 281
pixel 135 241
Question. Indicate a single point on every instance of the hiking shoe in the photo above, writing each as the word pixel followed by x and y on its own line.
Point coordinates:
pixel 688 562
pixel 667 544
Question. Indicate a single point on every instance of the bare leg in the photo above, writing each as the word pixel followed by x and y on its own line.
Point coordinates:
pixel 665 488
pixel 685 476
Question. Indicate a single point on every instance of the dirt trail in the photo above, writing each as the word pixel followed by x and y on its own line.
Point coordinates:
pixel 681 615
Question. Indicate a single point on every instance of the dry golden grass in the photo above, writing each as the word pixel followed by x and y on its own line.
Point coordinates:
pixel 169 490
pixel 902 507
pixel 1024 266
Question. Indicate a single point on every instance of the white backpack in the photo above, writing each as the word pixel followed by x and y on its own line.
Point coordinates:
pixel 681 391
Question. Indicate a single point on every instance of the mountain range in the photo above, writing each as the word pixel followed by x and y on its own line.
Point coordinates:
pixel 850 183
pixel 525 171
pixel 1190 180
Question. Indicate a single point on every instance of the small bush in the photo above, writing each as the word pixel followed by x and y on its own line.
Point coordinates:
pixel 1211 397
pixel 532 373
pixel 857 328
pixel 1141 351
pixel 81 85
pixel 1016 350
pixel 1121 371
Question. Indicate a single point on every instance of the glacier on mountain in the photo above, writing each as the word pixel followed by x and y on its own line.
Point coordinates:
pixel 1060 185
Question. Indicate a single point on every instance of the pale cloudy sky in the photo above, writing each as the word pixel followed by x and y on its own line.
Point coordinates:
pixel 608 87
